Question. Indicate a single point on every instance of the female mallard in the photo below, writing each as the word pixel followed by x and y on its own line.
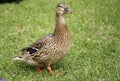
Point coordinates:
pixel 51 48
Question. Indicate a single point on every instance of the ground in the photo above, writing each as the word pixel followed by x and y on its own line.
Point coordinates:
pixel 95 31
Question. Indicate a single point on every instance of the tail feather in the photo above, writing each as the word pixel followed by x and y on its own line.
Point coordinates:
pixel 18 58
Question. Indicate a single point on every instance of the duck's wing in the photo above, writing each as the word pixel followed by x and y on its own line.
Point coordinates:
pixel 32 49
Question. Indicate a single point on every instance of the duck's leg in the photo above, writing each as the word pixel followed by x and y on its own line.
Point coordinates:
pixel 38 69
pixel 50 70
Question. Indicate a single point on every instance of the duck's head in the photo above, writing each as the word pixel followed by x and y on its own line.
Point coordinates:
pixel 62 9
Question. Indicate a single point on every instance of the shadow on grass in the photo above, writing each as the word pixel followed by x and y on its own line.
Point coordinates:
pixel 58 67
pixel 10 1
pixel 23 65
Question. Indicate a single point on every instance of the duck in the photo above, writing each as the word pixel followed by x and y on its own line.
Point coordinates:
pixel 51 48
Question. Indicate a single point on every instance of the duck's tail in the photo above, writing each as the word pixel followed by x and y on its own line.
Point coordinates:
pixel 18 58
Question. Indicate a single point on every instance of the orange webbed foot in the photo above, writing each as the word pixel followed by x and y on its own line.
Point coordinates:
pixel 50 70
pixel 38 69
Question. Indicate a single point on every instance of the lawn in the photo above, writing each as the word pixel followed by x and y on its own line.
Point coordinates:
pixel 95 30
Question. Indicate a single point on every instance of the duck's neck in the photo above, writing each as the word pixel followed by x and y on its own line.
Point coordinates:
pixel 61 26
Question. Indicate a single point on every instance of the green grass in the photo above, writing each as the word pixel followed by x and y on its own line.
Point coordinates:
pixel 95 31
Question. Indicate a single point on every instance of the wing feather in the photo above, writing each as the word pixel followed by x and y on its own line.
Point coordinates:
pixel 32 49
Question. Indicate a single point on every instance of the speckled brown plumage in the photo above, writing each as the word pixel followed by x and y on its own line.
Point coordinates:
pixel 51 48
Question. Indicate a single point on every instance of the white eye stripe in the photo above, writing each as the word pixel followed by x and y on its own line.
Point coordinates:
pixel 61 8
pixel 61 5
